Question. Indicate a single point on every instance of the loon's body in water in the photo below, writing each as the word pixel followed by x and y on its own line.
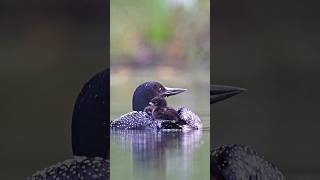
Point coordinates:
pixel 238 162
pixel 90 136
pixel 141 119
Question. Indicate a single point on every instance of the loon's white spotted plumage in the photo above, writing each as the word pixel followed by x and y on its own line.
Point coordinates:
pixel 190 118
pixel 140 120
pixel 134 120
pixel 76 168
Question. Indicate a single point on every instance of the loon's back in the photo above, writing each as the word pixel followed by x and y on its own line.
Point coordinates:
pixel 135 120
pixel 238 162
pixel 140 120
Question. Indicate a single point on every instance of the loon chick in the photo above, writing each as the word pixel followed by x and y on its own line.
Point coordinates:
pixel 90 136
pixel 139 119
pixel 159 110
pixel 238 162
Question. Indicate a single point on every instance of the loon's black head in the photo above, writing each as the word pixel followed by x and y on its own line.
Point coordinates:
pixel 145 92
pixel 90 120
pixel 219 93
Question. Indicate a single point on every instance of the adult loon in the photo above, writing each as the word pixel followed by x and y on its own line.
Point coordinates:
pixel 141 120
pixel 238 162
pixel 90 136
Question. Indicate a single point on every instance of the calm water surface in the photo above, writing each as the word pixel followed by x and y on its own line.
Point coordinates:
pixel 152 155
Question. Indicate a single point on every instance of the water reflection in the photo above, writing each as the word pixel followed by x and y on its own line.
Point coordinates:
pixel 155 155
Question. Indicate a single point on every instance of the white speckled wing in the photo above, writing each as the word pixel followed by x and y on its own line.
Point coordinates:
pixel 190 118
pixel 136 120
pixel 77 168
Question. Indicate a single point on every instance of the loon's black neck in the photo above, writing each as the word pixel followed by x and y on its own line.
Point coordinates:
pixel 90 120
pixel 145 92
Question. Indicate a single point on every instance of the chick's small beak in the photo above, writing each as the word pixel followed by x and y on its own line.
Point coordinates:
pixel 219 92
pixel 173 91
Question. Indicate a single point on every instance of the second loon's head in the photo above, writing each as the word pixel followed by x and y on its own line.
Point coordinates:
pixel 219 93
pixel 145 92
pixel 90 119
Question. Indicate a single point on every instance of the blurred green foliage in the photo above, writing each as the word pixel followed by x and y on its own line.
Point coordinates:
pixel 173 31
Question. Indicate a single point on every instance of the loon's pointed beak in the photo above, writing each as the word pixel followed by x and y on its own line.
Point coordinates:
pixel 173 91
pixel 219 93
